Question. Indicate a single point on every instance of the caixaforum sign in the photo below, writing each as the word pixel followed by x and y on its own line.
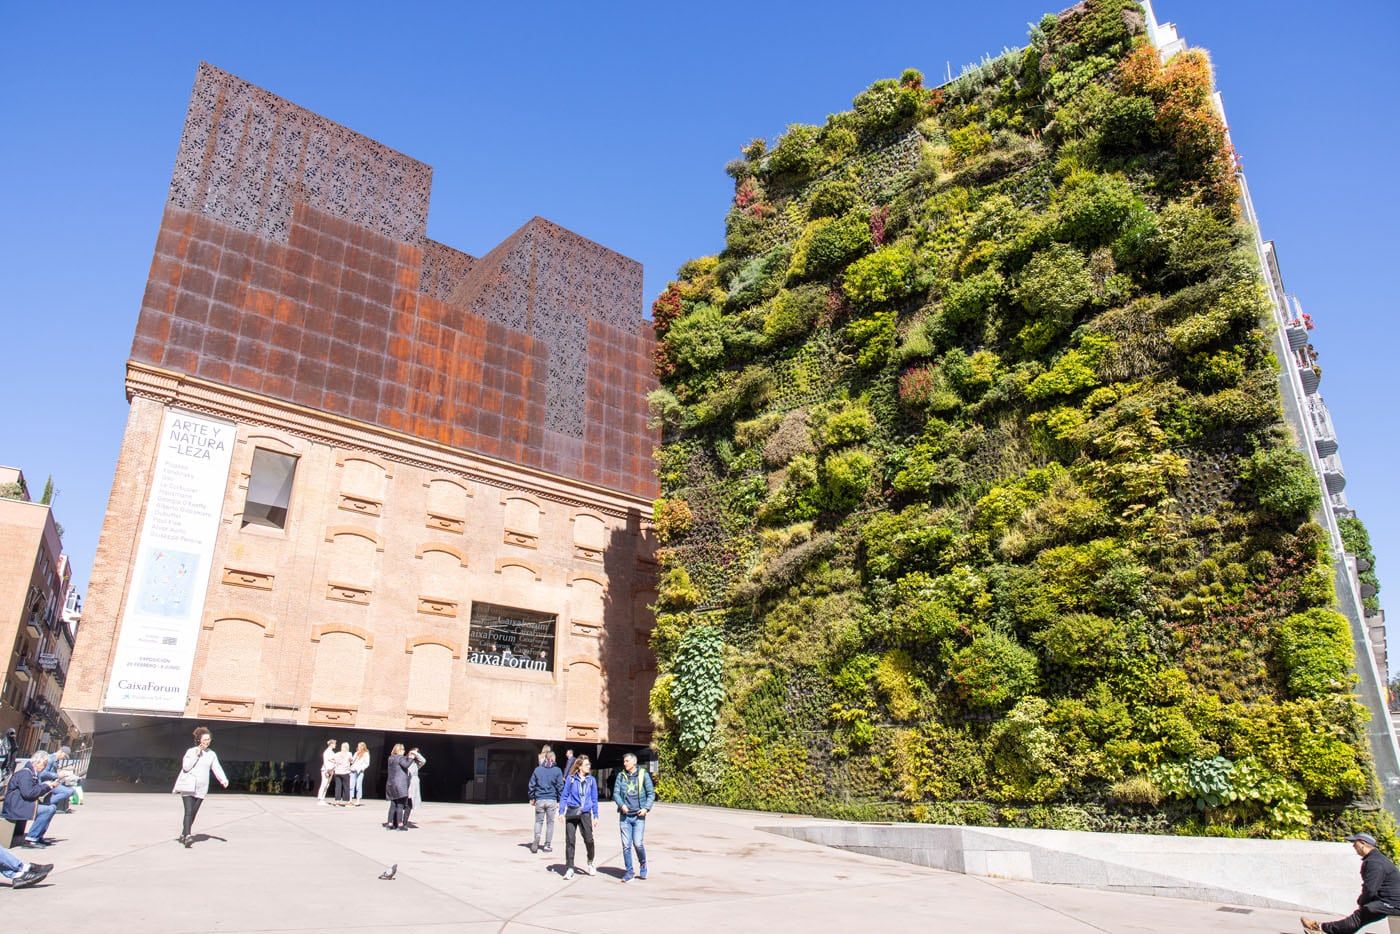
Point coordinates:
pixel 170 575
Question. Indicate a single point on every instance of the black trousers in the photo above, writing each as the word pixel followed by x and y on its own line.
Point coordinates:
pixel 342 788
pixel 1355 921
pixel 583 823
pixel 398 811
pixel 191 804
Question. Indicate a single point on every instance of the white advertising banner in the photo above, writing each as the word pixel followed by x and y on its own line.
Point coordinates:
pixel 161 622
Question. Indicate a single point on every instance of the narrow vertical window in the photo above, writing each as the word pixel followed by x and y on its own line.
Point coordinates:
pixel 269 489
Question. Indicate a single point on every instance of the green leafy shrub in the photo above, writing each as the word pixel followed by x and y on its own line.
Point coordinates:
pixel 697 339
pixel 994 670
pixel 883 276
pixel 846 477
pixel 833 197
pixel 1314 650
pixel 797 152
pixel 828 243
pixel 698 687
pixel 1053 288
pixel 1282 482
pixel 793 311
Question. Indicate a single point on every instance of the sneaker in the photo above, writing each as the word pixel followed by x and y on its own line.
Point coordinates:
pixel 29 844
pixel 45 868
pixel 568 874
pixel 534 847
pixel 590 870
pixel 27 878
pixel 627 876
pixel 546 849
pixel 642 873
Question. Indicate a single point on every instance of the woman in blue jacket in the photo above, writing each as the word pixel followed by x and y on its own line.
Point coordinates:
pixel 580 804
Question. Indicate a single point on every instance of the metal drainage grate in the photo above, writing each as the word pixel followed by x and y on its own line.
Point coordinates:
pixel 1237 911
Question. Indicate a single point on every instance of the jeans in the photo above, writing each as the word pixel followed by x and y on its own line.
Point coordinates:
pixel 1355 921
pixel 583 822
pixel 40 824
pixel 60 796
pixel 342 787
pixel 545 814
pixel 10 864
pixel 357 786
pixel 191 804
pixel 634 830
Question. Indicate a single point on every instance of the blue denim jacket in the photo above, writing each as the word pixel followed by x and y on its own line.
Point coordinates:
pixel 581 794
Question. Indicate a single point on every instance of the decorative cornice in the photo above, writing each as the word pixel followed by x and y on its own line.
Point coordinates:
pixel 171 388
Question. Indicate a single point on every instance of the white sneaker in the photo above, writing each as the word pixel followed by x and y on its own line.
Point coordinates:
pixel 568 874
pixel 590 869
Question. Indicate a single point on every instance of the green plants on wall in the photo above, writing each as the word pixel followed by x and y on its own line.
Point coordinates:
pixel 977 505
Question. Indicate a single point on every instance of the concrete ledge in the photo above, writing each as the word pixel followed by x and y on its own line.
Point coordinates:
pixel 1300 875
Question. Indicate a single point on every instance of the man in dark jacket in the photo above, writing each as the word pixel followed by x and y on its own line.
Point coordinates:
pixel 546 785
pixel 24 796
pixel 1380 890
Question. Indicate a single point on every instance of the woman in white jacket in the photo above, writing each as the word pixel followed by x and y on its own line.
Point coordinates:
pixel 192 784
pixel 415 793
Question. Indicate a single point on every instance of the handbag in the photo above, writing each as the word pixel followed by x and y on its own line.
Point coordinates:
pixel 184 782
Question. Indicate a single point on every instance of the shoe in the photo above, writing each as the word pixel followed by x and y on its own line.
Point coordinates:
pixel 189 842
pixel 568 874
pixel 547 848
pixel 627 876
pixel 534 847
pixel 45 868
pixel 590 869
pixel 642 873
pixel 29 844
pixel 27 878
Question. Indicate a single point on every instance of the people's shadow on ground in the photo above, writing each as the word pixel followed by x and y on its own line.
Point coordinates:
pixel 611 871
pixel 203 837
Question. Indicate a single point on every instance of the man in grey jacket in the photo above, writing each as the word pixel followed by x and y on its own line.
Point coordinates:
pixel 546 784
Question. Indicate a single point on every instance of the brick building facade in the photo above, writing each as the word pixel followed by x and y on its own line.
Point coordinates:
pixel 459 444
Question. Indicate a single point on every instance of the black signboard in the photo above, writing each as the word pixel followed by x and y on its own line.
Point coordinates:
pixel 505 637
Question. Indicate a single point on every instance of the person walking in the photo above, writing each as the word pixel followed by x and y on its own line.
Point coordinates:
pixel 415 789
pixel 327 771
pixel 1380 890
pixel 396 788
pixel 546 785
pixel 192 784
pixel 25 796
pixel 634 794
pixel 580 804
pixel 340 768
pixel 358 766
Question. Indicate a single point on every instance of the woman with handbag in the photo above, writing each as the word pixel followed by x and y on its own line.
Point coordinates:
pixel 396 788
pixel 580 805
pixel 192 784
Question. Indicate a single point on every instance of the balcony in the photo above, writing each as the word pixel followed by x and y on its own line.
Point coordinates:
pixel 22 673
pixel 32 626
pixel 1333 475
pixel 1297 336
pixel 1311 375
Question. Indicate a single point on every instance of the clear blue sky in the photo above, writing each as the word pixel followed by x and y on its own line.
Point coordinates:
pixel 618 124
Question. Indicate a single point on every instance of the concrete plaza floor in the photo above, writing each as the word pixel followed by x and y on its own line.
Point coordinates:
pixel 285 864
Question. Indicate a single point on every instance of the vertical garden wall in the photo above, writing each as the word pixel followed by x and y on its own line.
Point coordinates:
pixel 978 506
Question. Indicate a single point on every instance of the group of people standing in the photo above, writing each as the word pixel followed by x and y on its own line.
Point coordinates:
pixel 401 787
pixel 346 770
pixel 575 791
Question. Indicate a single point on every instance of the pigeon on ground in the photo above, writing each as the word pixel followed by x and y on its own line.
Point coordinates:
pixel 388 874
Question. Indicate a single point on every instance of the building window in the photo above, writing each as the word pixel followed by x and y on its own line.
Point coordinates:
pixel 505 637
pixel 269 489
